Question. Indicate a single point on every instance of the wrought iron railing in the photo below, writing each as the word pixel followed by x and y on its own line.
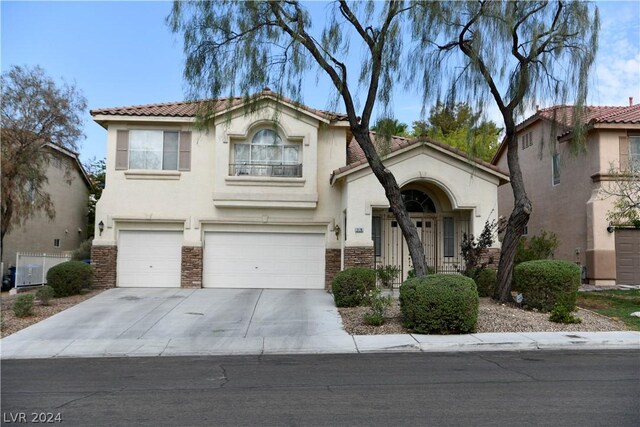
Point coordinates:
pixel 264 169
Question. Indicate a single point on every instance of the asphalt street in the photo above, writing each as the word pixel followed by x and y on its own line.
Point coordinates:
pixel 583 388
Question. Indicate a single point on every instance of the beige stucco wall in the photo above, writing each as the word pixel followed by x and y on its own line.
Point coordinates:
pixel 207 198
pixel 69 224
pixel 573 209
pixel 463 189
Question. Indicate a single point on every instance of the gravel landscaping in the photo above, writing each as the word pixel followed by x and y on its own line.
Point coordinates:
pixel 492 317
pixel 12 324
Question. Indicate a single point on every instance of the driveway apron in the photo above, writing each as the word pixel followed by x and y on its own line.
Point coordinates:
pixel 148 322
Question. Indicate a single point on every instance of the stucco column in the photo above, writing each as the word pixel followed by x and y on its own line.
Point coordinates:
pixel 600 253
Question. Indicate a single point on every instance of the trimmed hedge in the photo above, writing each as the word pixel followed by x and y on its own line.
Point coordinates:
pixel 439 304
pixel 543 283
pixel 68 278
pixel 351 286
pixel 485 279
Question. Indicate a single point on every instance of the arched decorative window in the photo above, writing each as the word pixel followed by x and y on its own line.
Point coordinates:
pixel 266 155
pixel 417 201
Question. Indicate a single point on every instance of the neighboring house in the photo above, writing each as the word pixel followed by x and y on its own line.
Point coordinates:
pixel 564 182
pixel 276 195
pixel 68 229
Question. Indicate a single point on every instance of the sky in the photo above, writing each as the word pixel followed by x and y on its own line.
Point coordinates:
pixel 122 53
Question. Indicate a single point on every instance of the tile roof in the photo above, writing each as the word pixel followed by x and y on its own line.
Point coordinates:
pixel 356 157
pixel 592 115
pixel 190 108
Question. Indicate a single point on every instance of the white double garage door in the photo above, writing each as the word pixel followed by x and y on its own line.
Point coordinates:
pixel 230 259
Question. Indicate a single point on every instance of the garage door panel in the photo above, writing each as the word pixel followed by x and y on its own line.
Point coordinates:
pixel 264 260
pixel 627 256
pixel 149 259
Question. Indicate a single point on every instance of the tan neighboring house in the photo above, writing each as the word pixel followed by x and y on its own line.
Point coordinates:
pixel 564 187
pixel 272 196
pixel 68 229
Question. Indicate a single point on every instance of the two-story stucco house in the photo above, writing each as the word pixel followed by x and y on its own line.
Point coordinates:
pixel 274 196
pixel 564 181
pixel 68 186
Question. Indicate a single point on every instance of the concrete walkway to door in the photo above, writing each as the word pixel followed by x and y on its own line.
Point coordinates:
pixel 172 322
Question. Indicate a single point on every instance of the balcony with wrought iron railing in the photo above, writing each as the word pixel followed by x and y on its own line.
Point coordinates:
pixel 266 169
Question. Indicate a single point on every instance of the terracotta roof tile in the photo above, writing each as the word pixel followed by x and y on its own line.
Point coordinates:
pixel 356 157
pixel 190 108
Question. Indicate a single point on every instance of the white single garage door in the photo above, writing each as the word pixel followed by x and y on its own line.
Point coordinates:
pixel 149 259
pixel 263 260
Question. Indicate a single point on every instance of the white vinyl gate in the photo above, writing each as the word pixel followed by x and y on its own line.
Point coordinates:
pixel 32 268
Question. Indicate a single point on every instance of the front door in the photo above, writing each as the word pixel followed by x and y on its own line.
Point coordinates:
pixel 395 248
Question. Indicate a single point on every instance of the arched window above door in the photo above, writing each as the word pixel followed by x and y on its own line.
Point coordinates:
pixel 417 201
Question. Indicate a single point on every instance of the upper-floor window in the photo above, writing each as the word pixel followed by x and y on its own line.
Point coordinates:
pixel 555 166
pixel 634 152
pixel 527 140
pixel 153 150
pixel 266 155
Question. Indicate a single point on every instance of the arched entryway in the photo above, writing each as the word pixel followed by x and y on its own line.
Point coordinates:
pixel 439 226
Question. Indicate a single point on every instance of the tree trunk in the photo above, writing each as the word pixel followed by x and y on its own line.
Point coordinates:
pixel 392 191
pixel 518 219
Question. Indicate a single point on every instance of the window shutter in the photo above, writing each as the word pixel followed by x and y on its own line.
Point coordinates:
pixel 623 146
pixel 184 162
pixel 122 150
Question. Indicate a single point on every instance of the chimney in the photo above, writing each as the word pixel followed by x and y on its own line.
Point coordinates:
pixel 631 101
pixel 537 108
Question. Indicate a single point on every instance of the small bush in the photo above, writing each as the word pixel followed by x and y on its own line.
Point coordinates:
pixel 543 283
pixel 561 314
pixel 23 305
pixel 485 279
pixel 44 294
pixel 537 247
pixel 387 274
pixel 378 305
pixel 373 319
pixel 83 251
pixel 69 278
pixel 439 304
pixel 351 286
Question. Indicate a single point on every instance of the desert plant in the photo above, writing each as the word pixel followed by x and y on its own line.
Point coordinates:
pixel 387 274
pixel 350 286
pixel 440 304
pixel 474 251
pixel 69 278
pixel 23 305
pixel 378 305
pixel 485 279
pixel 44 294
pixel 545 283
pixel 82 252
pixel 561 314
pixel 536 247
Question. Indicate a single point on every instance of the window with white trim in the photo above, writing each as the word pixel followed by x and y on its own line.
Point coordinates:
pixel 153 150
pixel 266 155
pixel 56 243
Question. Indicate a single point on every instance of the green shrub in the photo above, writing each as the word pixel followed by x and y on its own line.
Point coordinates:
pixel 485 279
pixel 561 314
pixel 387 274
pixel 439 304
pixel 44 294
pixel 23 305
pixel 374 319
pixel 83 251
pixel 536 247
pixel 543 283
pixel 351 285
pixel 68 278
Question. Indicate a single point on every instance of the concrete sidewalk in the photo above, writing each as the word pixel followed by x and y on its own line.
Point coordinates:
pixel 325 344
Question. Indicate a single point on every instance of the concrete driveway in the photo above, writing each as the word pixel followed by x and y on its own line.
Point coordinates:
pixel 169 322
